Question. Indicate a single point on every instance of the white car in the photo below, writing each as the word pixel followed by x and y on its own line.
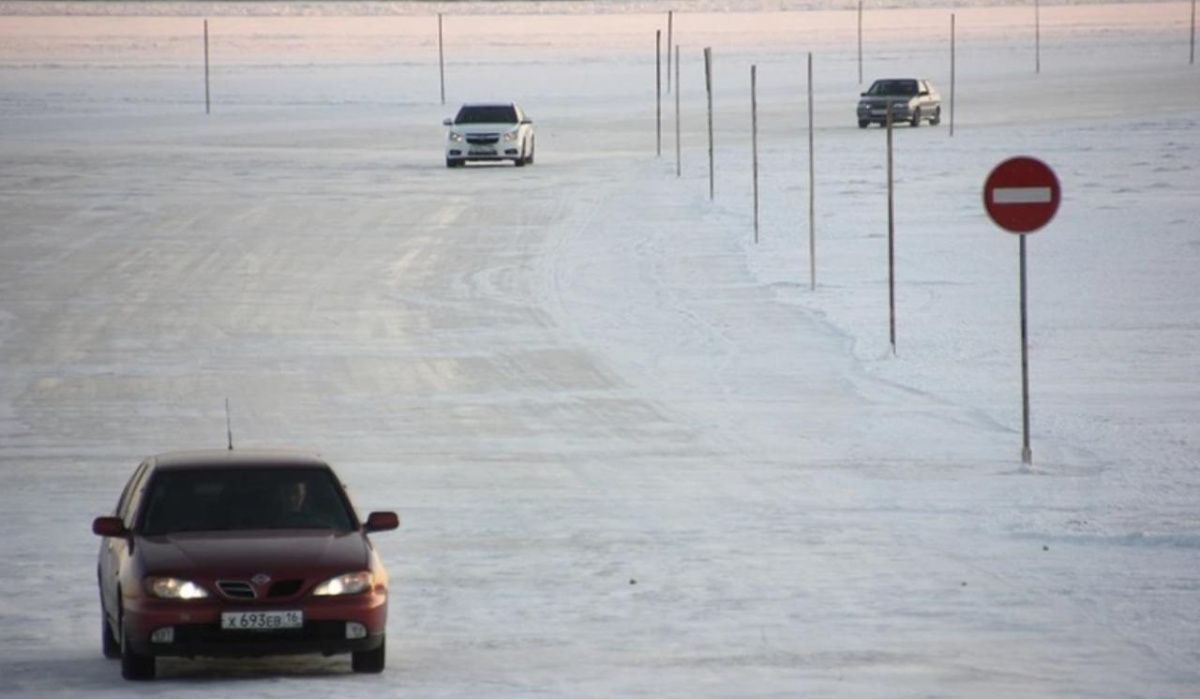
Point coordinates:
pixel 491 131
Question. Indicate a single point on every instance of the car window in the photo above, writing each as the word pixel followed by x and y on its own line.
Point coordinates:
pixel 900 88
pixel 499 114
pixel 129 494
pixel 237 499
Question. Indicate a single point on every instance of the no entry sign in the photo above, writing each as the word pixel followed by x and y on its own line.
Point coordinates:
pixel 1021 195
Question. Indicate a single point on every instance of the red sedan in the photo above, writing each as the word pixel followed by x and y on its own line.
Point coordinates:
pixel 239 553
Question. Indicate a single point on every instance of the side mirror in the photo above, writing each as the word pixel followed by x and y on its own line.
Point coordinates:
pixel 862 94
pixel 924 93
pixel 381 522
pixel 527 120
pixel 447 122
pixel 109 526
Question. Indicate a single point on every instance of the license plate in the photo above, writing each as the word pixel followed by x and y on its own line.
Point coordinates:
pixel 482 151
pixel 262 621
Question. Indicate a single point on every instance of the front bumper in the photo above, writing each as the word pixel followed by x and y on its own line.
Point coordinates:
pixel 196 627
pixel 877 113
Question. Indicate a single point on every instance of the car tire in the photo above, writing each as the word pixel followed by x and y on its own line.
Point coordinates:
pixel 370 661
pixel 863 123
pixel 936 118
pixel 916 118
pixel 134 665
pixel 109 644
pixel 532 147
pixel 450 162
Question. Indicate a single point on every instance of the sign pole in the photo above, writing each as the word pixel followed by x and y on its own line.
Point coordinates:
pixel 891 238
pixel 708 88
pixel 658 92
pixel 207 101
pixel 1021 195
pixel 1026 452
pixel 812 186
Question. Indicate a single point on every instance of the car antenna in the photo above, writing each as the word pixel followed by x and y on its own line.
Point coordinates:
pixel 228 425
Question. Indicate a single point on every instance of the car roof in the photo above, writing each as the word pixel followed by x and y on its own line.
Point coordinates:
pixel 225 458
pixel 489 104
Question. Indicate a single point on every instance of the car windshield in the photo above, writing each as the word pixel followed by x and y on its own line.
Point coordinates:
pixel 500 114
pixel 902 88
pixel 235 499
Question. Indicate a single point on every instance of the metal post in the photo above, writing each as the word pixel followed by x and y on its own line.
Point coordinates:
pixel 658 92
pixel 951 73
pixel 754 141
pixel 860 14
pixel 207 101
pixel 670 39
pixel 1026 451
pixel 678 147
pixel 812 186
pixel 891 239
pixel 708 89
pixel 1192 53
pixel 1037 36
pixel 441 59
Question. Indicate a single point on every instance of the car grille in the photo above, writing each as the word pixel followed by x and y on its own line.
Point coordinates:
pixel 483 139
pixel 236 589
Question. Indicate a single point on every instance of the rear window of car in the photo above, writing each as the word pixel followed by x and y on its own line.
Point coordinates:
pixel 238 499
pixel 486 115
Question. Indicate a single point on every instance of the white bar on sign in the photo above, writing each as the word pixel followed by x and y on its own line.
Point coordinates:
pixel 1021 195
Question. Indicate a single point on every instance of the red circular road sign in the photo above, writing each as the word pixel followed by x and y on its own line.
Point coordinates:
pixel 1021 195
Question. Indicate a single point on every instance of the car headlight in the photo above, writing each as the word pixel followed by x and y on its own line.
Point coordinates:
pixel 455 137
pixel 512 135
pixel 348 584
pixel 174 588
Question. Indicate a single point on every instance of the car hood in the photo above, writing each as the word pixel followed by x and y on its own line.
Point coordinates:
pixel 483 128
pixel 885 99
pixel 217 554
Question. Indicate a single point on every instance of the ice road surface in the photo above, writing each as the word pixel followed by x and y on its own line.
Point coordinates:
pixel 634 453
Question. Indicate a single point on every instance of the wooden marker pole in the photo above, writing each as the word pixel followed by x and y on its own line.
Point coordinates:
pixel 658 92
pixel 1037 36
pixel 812 185
pixel 441 60
pixel 860 13
pixel 1192 53
pixel 678 147
pixel 670 39
pixel 708 89
pixel 207 100
pixel 891 239
pixel 754 141
pixel 951 73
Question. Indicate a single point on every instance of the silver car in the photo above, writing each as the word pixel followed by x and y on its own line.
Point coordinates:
pixel 909 99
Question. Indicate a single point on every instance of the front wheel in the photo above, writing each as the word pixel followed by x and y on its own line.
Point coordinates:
pixel 532 147
pixel 937 117
pixel 863 123
pixel 370 661
pixel 916 118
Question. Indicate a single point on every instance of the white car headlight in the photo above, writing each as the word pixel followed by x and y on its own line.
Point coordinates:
pixel 512 135
pixel 348 584
pixel 455 137
pixel 174 588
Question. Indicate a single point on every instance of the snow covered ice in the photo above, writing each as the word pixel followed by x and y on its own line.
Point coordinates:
pixel 584 374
